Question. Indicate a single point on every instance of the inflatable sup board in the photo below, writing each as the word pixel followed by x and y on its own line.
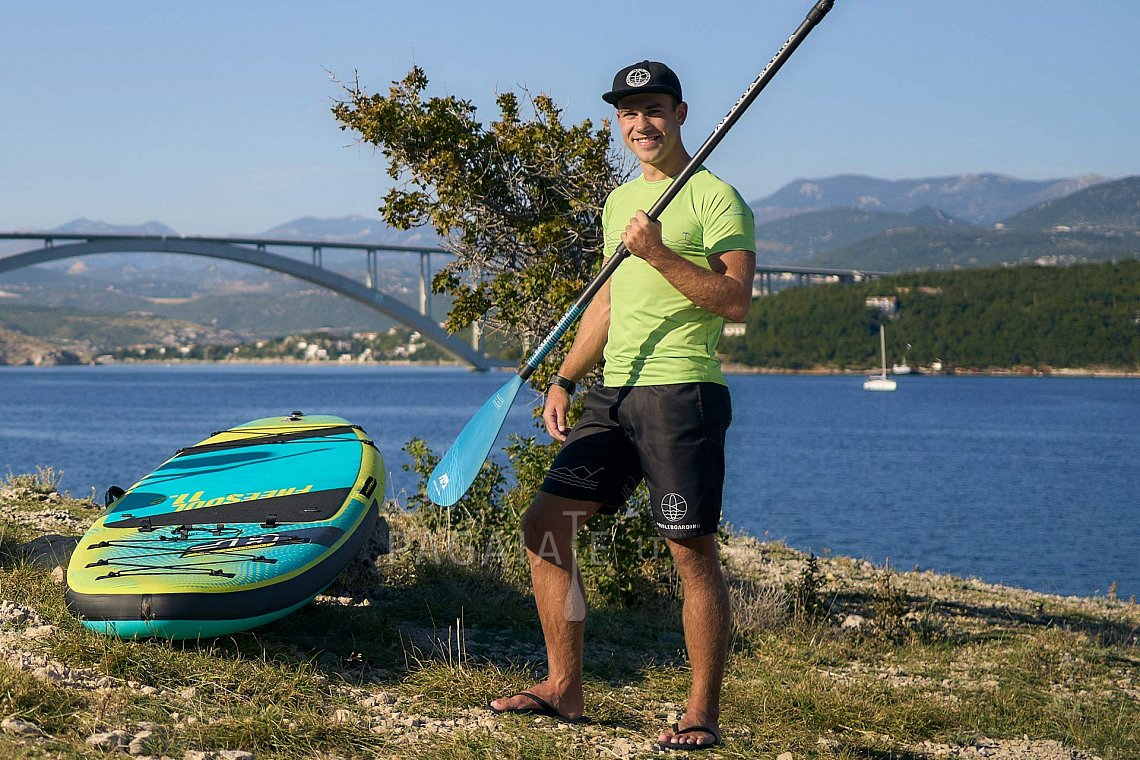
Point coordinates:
pixel 231 533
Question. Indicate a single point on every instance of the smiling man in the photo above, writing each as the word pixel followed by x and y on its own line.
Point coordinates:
pixel 662 410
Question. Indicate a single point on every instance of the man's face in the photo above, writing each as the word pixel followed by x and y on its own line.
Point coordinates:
pixel 650 126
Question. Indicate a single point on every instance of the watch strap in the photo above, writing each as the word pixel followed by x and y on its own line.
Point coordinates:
pixel 568 385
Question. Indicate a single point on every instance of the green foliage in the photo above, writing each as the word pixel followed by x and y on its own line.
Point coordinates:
pixel 806 605
pixel 619 555
pixel 44 481
pixel 1082 316
pixel 518 201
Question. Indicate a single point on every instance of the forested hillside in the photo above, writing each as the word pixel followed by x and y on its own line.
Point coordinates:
pixel 1082 316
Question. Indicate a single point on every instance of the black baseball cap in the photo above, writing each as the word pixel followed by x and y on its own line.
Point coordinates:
pixel 647 76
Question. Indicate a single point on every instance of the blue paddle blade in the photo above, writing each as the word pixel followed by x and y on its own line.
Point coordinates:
pixel 457 470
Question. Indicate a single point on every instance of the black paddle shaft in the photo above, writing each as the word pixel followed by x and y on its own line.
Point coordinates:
pixel 814 16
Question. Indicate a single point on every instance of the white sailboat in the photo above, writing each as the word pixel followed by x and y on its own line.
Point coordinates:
pixel 880 382
pixel 904 368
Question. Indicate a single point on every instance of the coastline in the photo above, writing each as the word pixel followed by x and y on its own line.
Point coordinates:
pixel 728 368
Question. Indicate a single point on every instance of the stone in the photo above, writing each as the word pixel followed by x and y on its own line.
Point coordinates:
pixel 108 740
pixel 49 551
pixel 143 743
pixel 20 727
pixel 39 631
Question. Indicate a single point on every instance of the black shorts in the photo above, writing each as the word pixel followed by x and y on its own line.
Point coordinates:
pixel 670 435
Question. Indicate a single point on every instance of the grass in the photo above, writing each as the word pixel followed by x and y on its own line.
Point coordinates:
pixel 939 660
pixel 45 480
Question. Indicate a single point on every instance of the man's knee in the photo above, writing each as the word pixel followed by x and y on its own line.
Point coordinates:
pixel 555 519
pixel 696 559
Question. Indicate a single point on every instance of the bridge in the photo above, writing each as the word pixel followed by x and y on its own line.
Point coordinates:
pixel 253 251
pixel 805 276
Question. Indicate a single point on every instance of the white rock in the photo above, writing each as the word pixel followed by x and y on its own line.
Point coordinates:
pixel 142 743
pixel 20 727
pixel 108 740
pixel 234 754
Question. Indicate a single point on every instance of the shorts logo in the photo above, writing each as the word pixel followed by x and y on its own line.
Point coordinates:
pixel 637 78
pixel 674 507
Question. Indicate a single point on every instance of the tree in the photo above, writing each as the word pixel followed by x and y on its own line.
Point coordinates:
pixel 518 202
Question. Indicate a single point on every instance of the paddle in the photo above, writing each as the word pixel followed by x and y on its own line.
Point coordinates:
pixel 460 465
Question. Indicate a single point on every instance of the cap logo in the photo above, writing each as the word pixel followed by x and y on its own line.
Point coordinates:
pixel 637 78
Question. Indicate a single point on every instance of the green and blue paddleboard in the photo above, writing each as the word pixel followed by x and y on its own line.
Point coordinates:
pixel 229 534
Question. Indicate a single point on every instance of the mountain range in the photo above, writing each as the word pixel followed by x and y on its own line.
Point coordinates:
pixel 1096 223
pixel 974 198
pixel 845 221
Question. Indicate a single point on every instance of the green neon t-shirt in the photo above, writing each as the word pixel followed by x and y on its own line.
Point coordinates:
pixel 657 335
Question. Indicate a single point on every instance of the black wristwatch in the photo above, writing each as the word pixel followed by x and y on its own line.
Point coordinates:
pixel 567 385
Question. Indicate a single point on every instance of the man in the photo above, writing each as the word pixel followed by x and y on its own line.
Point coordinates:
pixel 662 410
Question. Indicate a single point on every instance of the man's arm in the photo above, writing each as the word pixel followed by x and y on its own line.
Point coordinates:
pixel 724 290
pixel 585 352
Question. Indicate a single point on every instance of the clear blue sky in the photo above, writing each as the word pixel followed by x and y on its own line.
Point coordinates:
pixel 213 117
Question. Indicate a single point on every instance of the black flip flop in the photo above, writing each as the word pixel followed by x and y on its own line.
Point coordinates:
pixel 542 707
pixel 691 747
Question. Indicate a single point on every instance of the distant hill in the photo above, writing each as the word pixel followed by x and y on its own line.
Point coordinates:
pixel 972 247
pixel 1106 207
pixel 19 349
pixel 975 198
pixel 29 330
pixel 94 227
pixel 1099 223
pixel 350 229
pixel 793 239
pixel 1083 316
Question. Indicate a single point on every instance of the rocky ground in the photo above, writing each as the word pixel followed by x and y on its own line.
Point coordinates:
pixel 415 720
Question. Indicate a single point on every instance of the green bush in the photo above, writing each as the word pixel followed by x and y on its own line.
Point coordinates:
pixel 621 556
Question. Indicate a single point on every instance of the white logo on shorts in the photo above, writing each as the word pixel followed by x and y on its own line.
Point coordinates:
pixel 637 78
pixel 674 507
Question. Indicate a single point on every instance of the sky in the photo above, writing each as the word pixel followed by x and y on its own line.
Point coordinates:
pixel 214 117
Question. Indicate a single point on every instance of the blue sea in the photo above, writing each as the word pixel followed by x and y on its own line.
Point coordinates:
pixel 1033 482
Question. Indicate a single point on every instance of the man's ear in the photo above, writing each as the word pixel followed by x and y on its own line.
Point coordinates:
pixel 682 112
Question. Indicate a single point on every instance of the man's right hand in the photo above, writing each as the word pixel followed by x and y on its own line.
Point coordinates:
pixel 554 412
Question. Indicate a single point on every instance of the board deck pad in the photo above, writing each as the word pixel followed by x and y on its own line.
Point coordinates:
pixel 231 533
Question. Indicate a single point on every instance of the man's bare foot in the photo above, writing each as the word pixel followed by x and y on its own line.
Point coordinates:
pixel 566 703
pixel 690 734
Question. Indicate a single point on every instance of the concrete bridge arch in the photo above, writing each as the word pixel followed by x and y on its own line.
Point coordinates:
pixel 242 253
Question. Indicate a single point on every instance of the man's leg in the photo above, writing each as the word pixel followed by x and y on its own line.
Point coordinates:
pixel 549 527
pixel 706 616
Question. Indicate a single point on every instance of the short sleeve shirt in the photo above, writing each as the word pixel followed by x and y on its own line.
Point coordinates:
pixel 657 335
